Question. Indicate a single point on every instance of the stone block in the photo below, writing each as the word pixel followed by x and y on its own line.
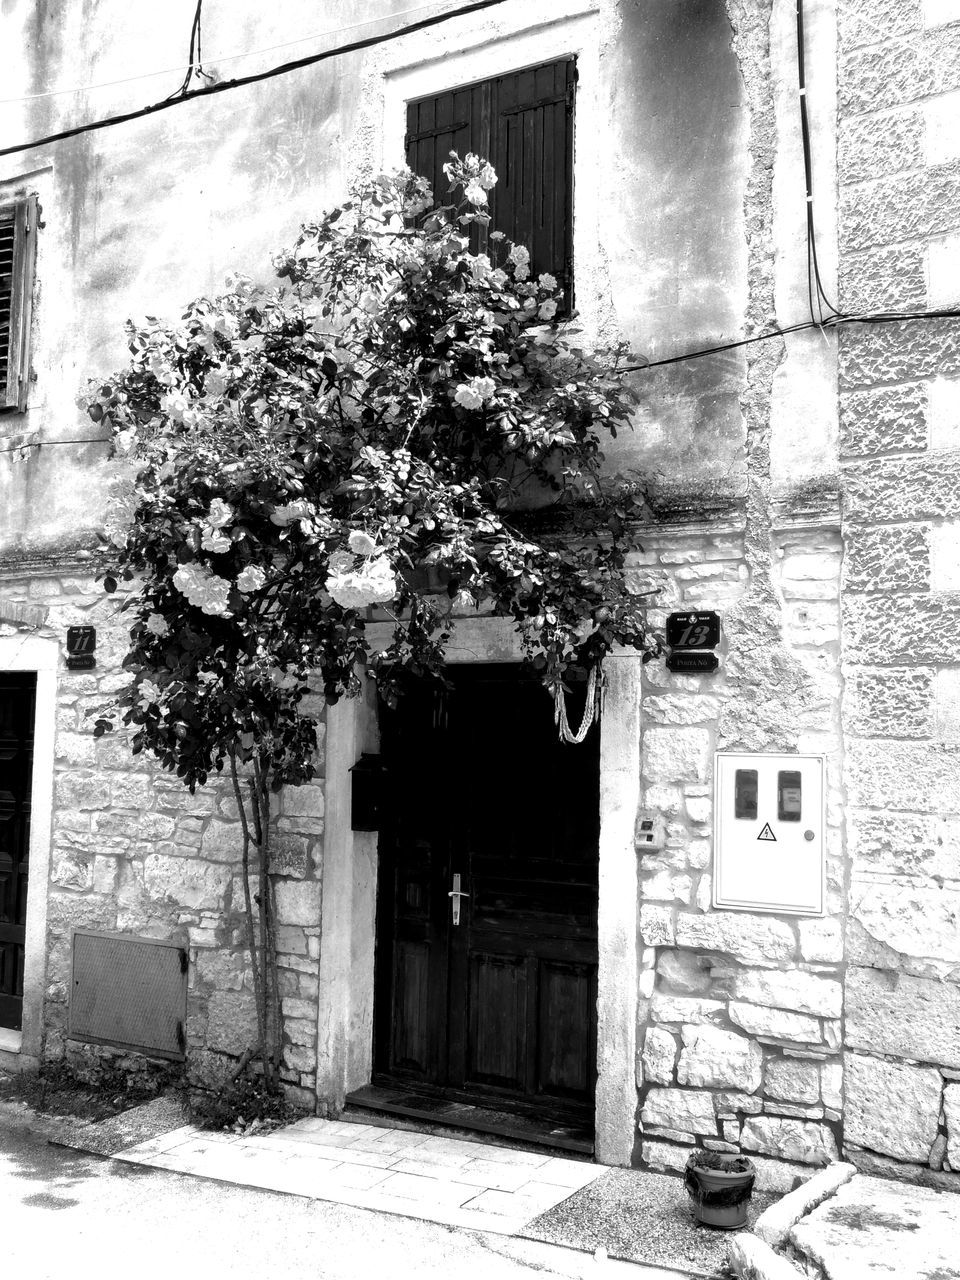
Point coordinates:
pixel 951 1107
pixel 753 939
pixel 775 1024
pixel 77 749
pixel 659 1056
pixel 679 1009
pixel 883 19
pixel 730 1104
pixel 889 702
pixel 904 1016
pixel 890 1107
pixel 912 776
pixel 884 277
pixel 821 941
pixel 231 1022
pixel 302 802
pixel 222 970
pixel 676 755
pixel 866 152
pixel 943 415
pixel 131 791
pixel 70 871
pixel 79 791
pixel 186 881
pixel 661 1155
pixel 792 1080
pixel 885 419
pixel 945 556
pixel 910 920
pixel 298 901
pixel 790 989
pixel 656 925
pixel 753 1259
pixel 222 841
pixel 289 856
pixel 666 886
pixel 681 709
pixel 889 559
pixel 689 1110
pixel 773 1225
pixel 801 1141
pixel 717 1059
pixel 684 972
pixel 926 487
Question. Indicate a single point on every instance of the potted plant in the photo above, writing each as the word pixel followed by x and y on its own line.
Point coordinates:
pixel 720 1187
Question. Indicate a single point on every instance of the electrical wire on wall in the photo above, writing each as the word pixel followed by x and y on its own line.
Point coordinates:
pixel 816 296
pixel 226 86
pixel 194 58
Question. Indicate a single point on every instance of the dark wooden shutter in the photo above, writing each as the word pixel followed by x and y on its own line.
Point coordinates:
pixel 523 123
pixel 18 228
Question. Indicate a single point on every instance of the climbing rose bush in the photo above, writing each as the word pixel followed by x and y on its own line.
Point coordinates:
pixel 397 429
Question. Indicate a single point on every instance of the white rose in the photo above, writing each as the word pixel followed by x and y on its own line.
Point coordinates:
pixel 157 625
pixel 251 578
pixel 466 395
pixel 361 544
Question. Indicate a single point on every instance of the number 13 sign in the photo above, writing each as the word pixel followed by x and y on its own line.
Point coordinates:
pixel 693 630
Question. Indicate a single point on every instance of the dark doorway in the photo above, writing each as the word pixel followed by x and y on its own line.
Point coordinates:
pixel 497 1007
pixel 17 704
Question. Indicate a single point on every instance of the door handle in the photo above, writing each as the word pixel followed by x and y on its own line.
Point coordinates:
pixel 456 893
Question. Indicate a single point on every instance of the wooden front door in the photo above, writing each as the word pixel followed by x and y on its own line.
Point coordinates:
pixel 17 701
pixel 498 1006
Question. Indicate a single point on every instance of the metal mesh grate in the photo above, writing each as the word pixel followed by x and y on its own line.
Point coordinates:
pixel 129 992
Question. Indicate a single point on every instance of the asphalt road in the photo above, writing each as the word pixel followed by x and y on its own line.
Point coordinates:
pixel 64 1214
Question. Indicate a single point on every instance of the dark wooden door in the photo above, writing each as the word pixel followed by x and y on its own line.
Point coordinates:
pixel 17 701
pixel 500 1007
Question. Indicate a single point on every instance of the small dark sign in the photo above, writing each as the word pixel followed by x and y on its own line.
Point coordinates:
pixel 684 660
pixel 693 630
pixel 81 647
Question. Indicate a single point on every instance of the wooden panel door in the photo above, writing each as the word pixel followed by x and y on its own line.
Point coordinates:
pixel 17 701
pixel 502 1005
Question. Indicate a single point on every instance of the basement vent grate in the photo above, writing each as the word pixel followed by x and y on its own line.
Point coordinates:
pixel 129 992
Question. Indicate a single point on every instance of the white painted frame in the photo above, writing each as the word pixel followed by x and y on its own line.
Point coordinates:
pixel 33 653
pixel 345 1022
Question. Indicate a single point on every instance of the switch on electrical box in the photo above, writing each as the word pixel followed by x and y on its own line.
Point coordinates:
pixel 769 833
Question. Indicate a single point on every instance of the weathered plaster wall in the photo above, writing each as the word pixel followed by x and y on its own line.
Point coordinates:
pixel 900 449
pixel 143 217
pixel 130 850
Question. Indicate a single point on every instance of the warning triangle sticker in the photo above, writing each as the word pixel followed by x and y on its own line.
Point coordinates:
pixel 766 833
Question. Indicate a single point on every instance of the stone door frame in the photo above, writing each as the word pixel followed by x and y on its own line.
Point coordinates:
pixel 25 653
pixel 349 879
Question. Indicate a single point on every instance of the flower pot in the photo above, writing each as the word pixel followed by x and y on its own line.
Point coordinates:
pixel 720 1187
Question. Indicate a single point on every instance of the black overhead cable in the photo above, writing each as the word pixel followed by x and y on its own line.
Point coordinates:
pixel 283 69
pixel 194 57
pixel 816 296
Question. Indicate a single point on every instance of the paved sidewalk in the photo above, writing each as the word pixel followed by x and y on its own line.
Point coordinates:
pixel 445 1180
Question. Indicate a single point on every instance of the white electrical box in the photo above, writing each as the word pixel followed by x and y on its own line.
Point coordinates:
pixel 769 833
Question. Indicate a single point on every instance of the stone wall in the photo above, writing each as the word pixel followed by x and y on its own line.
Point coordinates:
pixel 899 152
pixel 741 1035
pixel 133 852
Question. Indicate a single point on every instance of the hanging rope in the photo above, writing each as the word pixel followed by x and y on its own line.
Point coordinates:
pixel 591 709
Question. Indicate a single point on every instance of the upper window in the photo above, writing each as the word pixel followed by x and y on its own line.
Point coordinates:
pixel 18 231
pixel 522 123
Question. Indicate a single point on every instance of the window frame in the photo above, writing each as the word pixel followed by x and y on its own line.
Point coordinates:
pixel 22 214
pixel 473 49
pixel 487 111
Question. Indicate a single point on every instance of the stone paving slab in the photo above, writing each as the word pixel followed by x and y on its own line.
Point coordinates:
pixel 446 1180
pixel 874 1229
